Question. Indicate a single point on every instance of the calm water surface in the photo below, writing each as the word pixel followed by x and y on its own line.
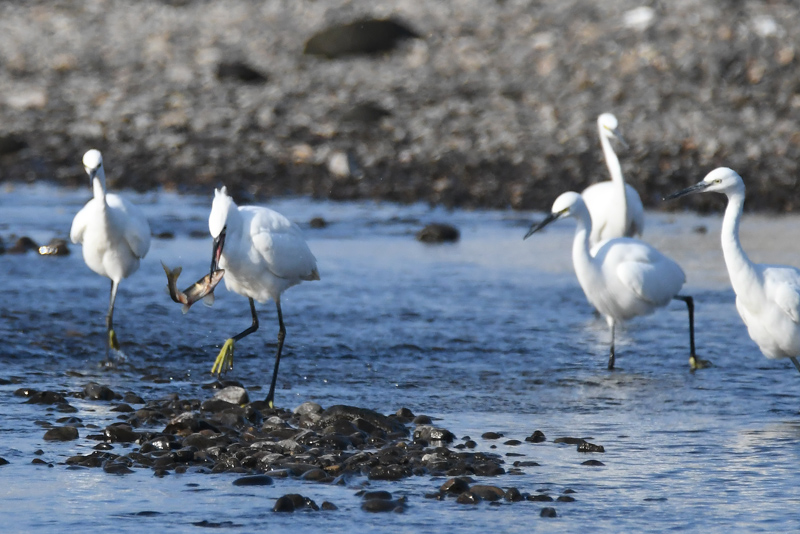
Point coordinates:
pixel 491 333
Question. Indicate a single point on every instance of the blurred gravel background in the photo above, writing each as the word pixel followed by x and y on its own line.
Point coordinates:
pixel 493 105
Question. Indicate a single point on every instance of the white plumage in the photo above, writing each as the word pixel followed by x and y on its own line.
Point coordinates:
pixel 615 207
pixel 263 254
pixel 767 296
pixel 114 234
pixel 622 277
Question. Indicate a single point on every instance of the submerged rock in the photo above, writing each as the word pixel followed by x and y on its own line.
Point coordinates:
pixel 438 233
pixel 61 433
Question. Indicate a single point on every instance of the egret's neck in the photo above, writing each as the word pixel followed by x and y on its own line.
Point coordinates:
pixel 99 185
pixel 740 269
pixel 612 162
pixel 581 253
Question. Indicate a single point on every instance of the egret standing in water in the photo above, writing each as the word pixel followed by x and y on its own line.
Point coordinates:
pixel 622 277
pixel 114 233
pixel 263 254
pixel 615 207
pixel 767 296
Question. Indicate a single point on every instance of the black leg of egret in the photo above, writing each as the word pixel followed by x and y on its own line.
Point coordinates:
pixel 112 336
pixel 694 361
pixel 281 337
pixel 795 362
pixel 611 358
pixel 253 327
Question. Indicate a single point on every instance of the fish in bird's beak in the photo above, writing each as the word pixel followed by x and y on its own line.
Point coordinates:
pixel 696 188
pixel 535 227
pixel 202 289
pixel 216 251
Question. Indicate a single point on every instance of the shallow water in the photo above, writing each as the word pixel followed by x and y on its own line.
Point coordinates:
pixel 491 333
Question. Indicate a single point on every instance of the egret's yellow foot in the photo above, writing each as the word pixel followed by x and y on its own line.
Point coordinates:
pixel 696 363
pixel 224 361
pixel 112 340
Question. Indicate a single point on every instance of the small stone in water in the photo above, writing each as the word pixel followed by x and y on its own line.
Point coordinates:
pixel 492 435
pixel 468 498
pixel 590 447
pixel 255 480
pixel 536 437
pixel 596 463
pixel 455 485
pixel 328 506
pixel 548 511
pixel 62 433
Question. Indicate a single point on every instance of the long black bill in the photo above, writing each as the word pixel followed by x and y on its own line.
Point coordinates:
pixel 688 191
pixel 535 227
pixel 216 251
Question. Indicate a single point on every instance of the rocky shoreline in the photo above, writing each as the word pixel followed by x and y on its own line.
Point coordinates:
pixel 342 445
pixel 481 105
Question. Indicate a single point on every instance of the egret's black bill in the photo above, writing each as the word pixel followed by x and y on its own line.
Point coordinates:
pixel 535 227
pixel 688 191
pixel 216 251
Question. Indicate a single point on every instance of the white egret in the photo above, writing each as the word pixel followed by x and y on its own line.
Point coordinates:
pixel 767 296
pixel 114 234
pixel 615 207
pixel 622 277
pixel 263 254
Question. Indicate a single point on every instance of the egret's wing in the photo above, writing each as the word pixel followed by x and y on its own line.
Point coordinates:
pixel 782 286
pixel 79 225
pixel 651 275
pixel 136 227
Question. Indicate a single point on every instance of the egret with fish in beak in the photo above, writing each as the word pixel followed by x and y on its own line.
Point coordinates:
pixel 263 254
pixel 114 233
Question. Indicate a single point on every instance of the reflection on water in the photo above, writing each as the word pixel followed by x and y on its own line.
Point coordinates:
pixel 491 333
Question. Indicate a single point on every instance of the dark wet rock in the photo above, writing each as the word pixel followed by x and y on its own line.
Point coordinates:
pixel 61 433
pixel 25 392
pixel 233 394
pixel 22 245
pixel 308 408
pixel 470 444
pixel 293 501
pixel 38 461
pixel 205 523
pixel 56 247
pixel 328 506
pixel 595 463
pixel 590 447
pixel 217 405
pixel 123 408
pixel 254 480
pixel 492 435
pixel 513 495
pixel 350 413
pixel 382 505
pixel 318 223
pixel 365 36
pixel 239 71
pixel 486 492
pixel 389 472
pixel 422 420
pixel 536 437
pixel 456 485
pixel 120 433
pixel 3 461
pixel 513 442
pixel 70 420
pixel 569 441
pixel 380 494
pixel 64 407
pixel 488 469
pixel 566 498
pixel 432 434
pixel 103 447
pixel 468 498
pixel 45 397
pixel 526 463
pixel 540 497
pixel 315 475
pixel 94 391
pixel 548 511
pixel 569 491
pixel 117 468
pixel 438 233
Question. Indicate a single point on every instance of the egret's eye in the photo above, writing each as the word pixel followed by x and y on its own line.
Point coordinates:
pixel 717 181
